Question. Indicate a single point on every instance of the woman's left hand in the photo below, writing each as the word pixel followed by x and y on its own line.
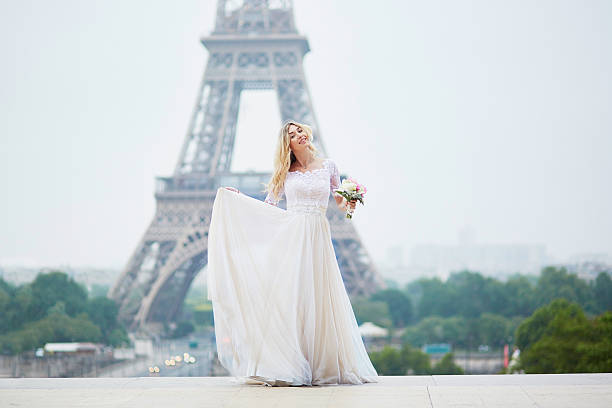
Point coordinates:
pixel 352 204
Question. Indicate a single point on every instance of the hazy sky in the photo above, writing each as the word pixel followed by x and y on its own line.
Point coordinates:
pixel 494 115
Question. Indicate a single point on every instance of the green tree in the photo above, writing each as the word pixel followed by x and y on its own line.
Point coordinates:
pixel 59 308
pixel 602 291
pixel 520 296
pixel 404 361
pixel 597 353
pixel 391 284
pixel 476 294
pixel 416 362
pixel 388 361
pixel 14 316
pixel 446 366
pixel 104 312
pixel 435 298
pixel 4 285
pixel 537 325
pixel 5 301
pixel 465 293
pixel 54 308
pixel 559 338
pixel 489 328
pixel 367 310
pixel 493 329
pixel 49 288
pixel 98 290
pixel 118 337
pixel 57 327
pixel 555 283
pixel 398 303
pixel 436 329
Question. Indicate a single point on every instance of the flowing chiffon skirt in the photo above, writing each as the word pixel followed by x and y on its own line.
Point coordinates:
pixel 281 312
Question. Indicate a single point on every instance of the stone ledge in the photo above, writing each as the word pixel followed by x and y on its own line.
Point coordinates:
pixel 527 390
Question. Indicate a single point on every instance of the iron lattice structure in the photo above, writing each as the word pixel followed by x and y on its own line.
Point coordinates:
pixel 254 45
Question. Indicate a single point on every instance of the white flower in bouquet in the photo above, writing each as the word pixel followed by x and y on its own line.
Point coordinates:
pixel 348 186
pixel 350 189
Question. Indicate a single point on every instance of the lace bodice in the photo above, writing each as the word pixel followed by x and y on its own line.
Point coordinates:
pixel 309 191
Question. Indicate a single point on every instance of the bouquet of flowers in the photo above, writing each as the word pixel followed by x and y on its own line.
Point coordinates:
pixel 350 189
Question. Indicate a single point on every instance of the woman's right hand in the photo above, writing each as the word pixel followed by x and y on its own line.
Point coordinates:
pixel 233 189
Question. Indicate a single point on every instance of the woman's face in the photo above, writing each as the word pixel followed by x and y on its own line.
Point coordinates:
pixel 298 139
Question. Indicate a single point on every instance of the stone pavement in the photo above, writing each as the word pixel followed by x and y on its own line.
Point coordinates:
pixel 519 390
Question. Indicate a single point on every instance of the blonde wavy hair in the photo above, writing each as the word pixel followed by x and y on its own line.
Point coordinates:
pixel 284 157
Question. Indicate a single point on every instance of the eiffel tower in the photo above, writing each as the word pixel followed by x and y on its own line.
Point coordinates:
pixel 254 45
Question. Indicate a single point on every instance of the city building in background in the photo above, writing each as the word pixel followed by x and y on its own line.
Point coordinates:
pixel 496 260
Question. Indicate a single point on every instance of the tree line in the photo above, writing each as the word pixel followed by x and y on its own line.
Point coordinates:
pixel 55 308
pixel 561 338
pixel 560 322
pixel 469 295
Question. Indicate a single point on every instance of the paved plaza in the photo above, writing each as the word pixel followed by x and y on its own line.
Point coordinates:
pixel 527 390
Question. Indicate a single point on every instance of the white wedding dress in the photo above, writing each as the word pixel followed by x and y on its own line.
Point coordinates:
pixel 281 312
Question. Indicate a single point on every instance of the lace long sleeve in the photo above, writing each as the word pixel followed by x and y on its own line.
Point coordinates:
pixel 270 197
pixel 334 178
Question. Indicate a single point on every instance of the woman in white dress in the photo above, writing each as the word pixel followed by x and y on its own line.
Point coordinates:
pixel 282 314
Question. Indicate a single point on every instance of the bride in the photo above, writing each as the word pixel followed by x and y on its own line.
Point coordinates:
pixel 281 312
